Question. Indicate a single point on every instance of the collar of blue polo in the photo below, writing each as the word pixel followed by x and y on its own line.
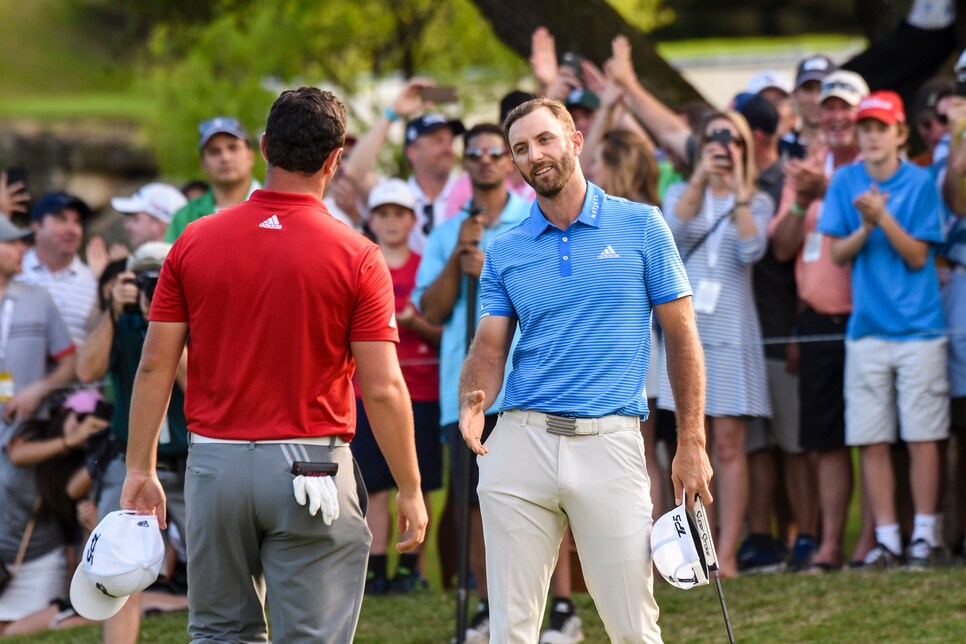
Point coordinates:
pixel 589 213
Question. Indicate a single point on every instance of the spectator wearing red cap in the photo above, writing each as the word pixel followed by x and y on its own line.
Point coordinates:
pixel 885 217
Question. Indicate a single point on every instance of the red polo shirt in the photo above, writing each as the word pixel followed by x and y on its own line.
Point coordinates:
pixel 273 291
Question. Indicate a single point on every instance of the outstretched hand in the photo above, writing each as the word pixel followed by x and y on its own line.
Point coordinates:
pixel 619 66
pixel 543 57
pixel 13 196
pixel 410 99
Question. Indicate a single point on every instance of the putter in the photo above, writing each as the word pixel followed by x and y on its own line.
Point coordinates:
pixel 700 518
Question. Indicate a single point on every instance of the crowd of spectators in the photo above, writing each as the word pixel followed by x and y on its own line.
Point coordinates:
pixel 829 276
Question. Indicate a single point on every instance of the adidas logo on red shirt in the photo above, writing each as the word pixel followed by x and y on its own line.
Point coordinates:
pixel 272 222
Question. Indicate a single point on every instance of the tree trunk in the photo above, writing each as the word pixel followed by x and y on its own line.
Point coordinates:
pixel 586 27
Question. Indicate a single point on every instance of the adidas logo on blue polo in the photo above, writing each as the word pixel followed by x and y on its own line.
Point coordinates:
pixel 608 253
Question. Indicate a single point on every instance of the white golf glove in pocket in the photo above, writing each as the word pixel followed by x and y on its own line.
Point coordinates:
pixel 320 493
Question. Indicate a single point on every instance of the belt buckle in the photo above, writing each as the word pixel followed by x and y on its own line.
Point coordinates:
pixel 561 426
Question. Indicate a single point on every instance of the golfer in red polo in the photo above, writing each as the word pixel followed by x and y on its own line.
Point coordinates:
pixel 283 304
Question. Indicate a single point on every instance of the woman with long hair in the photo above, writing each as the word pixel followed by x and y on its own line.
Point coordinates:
pixel 624 165
pixel 719 221
pixel 36 463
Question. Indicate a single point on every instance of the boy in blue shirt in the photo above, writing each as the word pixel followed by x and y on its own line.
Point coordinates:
pixel 886 218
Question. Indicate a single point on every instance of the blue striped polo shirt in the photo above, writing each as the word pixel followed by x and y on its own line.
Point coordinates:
pixel 583 297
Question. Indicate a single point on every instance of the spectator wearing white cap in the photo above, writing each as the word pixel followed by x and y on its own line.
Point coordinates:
pixel 454 255
pixel 777 88
pixel 825 290
pixel 429 149
pixel 391 219
pixel 149 212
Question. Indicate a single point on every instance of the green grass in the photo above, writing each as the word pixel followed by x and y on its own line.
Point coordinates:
pixel 683 49
pixel 45 50
pixel 114 106
pixel 841 607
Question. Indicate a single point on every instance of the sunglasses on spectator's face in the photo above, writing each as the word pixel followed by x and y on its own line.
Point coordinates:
pixel 942 119
pixel 828 87
pixel 724 137
pixel 475 153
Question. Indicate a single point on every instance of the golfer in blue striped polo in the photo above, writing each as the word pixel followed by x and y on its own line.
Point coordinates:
pixel 581 277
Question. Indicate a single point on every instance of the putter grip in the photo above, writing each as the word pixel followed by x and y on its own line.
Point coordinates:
pixel 311 468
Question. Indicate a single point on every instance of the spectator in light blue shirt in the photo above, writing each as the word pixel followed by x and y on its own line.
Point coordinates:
pixel 453 256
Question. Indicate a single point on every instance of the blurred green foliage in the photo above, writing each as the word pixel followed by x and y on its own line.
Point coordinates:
pixel 169 64
pixel 236 63
pixel 646 15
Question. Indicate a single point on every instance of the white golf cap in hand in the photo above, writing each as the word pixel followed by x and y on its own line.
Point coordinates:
pixel 123 556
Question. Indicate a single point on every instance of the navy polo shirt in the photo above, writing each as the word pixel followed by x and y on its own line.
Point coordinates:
pixel 583 297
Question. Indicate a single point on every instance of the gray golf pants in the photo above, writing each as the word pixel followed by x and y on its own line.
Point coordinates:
pixel 247 535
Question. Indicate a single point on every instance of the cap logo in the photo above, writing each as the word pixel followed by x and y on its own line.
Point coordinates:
pixel 875 103
pixel 411 133
pixel 143 524
pixel 678 525
pixel 90 550
pixel 431 119
pixel 101 588
pixel 815 64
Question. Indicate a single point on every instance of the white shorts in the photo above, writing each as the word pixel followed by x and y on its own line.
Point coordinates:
pixel 38 583
pixel 888 378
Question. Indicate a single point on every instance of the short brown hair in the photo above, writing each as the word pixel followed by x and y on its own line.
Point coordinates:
pixel 304 126
pixel 556 108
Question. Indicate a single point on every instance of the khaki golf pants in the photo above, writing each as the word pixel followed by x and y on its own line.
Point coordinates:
pixel 532 483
